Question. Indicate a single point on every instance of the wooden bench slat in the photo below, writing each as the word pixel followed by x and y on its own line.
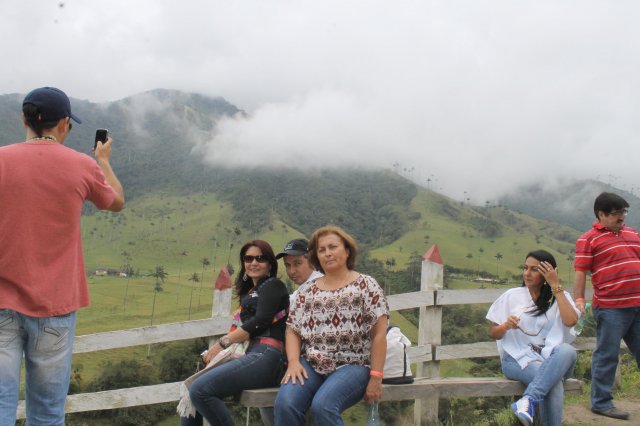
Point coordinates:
pixel 444 387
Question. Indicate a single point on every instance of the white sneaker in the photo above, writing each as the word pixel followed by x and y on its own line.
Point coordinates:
pixel 524 409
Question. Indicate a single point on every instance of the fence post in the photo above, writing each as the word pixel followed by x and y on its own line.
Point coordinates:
pixel 222 293
pixel 430 333
pixel 221 304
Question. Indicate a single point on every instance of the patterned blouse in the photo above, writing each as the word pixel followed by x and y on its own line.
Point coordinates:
pixel 335 325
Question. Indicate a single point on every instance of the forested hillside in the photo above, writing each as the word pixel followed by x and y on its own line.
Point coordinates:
pixel 157 136
pixel 567 202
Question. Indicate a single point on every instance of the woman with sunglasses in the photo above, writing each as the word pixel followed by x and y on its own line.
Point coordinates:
pixel 336 337
pixel 533 327
pixel 264 302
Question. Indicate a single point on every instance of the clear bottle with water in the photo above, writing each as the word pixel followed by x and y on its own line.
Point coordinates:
pixel 579 327
pixel 373 419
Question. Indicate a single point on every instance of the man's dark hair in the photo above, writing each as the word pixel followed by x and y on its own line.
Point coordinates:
pixel 608 202
pixel 32 117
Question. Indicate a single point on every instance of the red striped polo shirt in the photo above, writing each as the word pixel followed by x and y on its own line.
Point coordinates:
pixel 614 262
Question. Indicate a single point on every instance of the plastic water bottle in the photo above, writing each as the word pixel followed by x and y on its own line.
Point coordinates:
pixel 373 419
pixel 583 319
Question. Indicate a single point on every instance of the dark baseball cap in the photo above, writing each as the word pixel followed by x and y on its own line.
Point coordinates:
pixel 53 104
pixel 297 247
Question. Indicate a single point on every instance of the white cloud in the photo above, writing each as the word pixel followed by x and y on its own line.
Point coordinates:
pixel 480 95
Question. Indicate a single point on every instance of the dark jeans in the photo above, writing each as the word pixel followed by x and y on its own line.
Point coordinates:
pixel 261 367
pixel 613 325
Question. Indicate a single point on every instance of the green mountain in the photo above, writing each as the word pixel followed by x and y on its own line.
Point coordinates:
pixel 569 202
pixel 157 134
pixel 156 156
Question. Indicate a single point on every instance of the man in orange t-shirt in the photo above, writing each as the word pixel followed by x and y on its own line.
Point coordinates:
pixel 43 185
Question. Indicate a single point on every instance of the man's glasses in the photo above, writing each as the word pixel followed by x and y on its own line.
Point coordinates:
pixel 619 213
pixel 259 258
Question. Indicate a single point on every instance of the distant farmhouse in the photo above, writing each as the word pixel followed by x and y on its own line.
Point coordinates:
pixel 486 281
pixel 110 272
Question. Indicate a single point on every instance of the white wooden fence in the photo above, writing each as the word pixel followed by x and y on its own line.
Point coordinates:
pixel 427 353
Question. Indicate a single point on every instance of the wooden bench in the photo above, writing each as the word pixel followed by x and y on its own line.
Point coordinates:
pixel 451 387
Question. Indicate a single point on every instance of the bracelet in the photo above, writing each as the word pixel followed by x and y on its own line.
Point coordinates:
pixel 375 373
pixel 556 290
pixel 578 299
pixel 224 342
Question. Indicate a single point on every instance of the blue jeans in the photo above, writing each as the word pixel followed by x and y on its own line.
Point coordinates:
pixel 328 396
pixel 260 367
pixel 613 325
pixel 46 344
pixel 544 380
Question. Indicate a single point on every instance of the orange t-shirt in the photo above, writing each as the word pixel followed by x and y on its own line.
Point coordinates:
pixel 43 186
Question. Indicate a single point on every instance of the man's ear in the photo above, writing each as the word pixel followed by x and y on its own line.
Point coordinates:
pixel 601 215
pixel 62 125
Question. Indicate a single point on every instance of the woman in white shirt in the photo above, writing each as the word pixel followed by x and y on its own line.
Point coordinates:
pixel 533 327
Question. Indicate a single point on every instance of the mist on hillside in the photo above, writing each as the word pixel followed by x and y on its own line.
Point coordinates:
pixel 477 98
pixel 167 136
pixel 567 201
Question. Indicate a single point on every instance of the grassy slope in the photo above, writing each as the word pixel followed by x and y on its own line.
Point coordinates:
pixel 518 238
pixel 159 228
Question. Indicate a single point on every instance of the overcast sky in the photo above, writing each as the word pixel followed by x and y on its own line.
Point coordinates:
pixel 477 96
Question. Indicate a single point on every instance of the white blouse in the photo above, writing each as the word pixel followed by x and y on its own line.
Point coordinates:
pixel 544 331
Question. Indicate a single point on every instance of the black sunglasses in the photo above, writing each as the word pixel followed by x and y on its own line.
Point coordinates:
pixel 260 258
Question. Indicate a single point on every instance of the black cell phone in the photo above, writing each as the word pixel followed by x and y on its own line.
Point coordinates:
pixel 101 136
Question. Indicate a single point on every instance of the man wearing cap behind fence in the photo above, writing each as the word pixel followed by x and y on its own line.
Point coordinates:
pixel 301 272
pixel 297 265
pixel 43 185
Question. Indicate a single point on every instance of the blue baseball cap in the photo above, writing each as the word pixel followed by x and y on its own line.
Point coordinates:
pixel 53 104
pixel 297 247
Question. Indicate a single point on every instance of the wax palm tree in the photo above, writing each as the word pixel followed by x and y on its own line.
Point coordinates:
pixel 160 275
pixel 182 255
pixel 205 262
pixel 196 279
pixel 127 269
pixel 498 257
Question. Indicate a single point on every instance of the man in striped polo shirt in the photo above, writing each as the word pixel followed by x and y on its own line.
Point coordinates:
pixel 610 252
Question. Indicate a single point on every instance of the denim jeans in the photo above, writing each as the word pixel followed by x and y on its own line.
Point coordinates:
pixel 328 396
pixel 260 367
pixel 46 344
pixel 544 380
pixel 613 325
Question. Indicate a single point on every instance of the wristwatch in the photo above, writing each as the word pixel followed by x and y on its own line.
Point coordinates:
pixel 224 342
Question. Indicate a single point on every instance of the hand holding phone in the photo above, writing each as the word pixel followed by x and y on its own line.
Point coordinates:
pixel 101 136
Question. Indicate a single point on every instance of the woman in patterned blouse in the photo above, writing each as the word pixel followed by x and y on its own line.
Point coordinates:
pixel 336 337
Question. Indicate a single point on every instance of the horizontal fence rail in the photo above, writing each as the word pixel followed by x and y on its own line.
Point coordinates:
pixel 216 326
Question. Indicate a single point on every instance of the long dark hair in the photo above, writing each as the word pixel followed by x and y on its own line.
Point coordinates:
pixel 546 298
pixel 243 286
